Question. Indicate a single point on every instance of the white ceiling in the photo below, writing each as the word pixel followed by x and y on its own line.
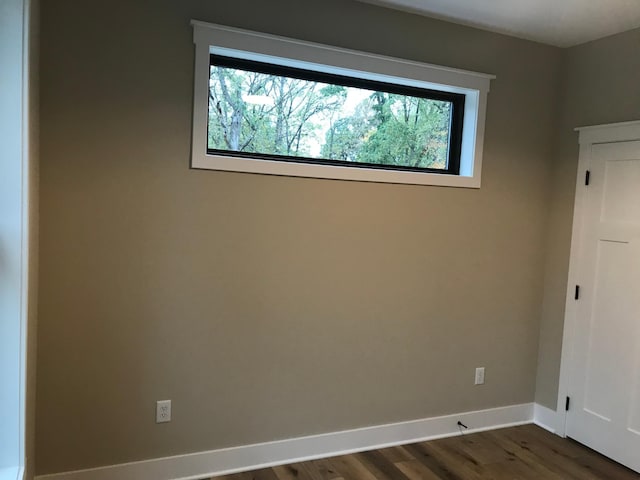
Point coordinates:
pixel 562 23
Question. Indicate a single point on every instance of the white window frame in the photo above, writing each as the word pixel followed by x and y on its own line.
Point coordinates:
pixel 210 38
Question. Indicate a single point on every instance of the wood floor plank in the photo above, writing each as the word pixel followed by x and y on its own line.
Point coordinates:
pixel 602 467
pixel 482 448
pixel 557 459
pixel 396 454
pixel 456 459
pixel 380 466
pixel 325 469
pixel 297 471
pixel 526 452
pixel 538 436
pixel 524 462
pixel 439 466
pixel 262 474
pixel 350 467
pixel 416 470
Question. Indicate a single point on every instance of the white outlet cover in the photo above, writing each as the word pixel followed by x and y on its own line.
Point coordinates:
pixel 480 376
pixel 163 411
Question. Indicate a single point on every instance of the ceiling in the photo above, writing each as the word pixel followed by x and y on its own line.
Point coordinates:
pixel 562 23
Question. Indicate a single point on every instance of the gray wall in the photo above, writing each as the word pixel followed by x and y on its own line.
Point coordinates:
pixel 601 84
pixel 270 307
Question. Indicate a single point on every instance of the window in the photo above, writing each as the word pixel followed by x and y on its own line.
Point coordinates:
pixel 271 105
pixel 289 114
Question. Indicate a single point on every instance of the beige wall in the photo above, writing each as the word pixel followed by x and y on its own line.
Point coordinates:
pixel 600 85
pixel 269 307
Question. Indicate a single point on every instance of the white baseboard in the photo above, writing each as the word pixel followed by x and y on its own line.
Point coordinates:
pixel 546 418
pixel 248 457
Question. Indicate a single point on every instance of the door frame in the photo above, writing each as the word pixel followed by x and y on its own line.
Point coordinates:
pixel 588 136
pixel 19 234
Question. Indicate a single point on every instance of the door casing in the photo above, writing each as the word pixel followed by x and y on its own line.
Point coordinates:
pixel 588 136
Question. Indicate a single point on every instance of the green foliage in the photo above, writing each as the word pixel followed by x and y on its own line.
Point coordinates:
pixel 254 112
pixel 346 136
pixel 408 131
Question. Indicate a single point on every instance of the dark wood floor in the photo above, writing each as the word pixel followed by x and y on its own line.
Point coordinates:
pixel 518 453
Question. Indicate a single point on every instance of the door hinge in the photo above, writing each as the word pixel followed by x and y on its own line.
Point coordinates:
pixel 577 294
pixel 568 402
pixel 587 177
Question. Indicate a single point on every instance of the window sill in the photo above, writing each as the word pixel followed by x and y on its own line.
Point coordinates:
pixel 308 170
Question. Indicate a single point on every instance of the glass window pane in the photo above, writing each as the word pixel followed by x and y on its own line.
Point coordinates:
pixel 275 115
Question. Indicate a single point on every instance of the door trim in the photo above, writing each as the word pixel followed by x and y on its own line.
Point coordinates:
pixel 588 136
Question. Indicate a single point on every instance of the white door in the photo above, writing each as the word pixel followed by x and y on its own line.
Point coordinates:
pixel 604 413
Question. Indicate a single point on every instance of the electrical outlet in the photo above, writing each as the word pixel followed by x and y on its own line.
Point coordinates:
pixel 480 376
pixel 163 411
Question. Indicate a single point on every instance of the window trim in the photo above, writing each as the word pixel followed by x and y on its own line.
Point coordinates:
pixel 232 42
